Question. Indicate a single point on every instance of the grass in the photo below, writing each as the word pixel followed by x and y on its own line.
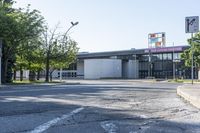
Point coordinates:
pixel 31 82
pixel 183 80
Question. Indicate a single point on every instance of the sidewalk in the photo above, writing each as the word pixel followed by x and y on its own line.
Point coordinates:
pixel 190 93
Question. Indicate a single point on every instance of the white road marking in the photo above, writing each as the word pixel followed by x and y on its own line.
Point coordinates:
pixel 109 127
pixel 48 124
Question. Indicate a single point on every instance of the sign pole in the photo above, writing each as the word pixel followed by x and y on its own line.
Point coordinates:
pixel 0 59
pixel 192 66
pixel 192 26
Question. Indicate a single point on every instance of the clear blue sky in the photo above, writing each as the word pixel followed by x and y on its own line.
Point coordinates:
pixel 108 25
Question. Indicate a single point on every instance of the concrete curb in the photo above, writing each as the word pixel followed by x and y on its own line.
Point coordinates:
pixel 190 94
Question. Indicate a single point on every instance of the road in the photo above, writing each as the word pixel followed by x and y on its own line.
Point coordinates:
pixel 102 106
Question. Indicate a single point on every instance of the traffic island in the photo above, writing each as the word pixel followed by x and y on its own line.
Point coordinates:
pixel 190 93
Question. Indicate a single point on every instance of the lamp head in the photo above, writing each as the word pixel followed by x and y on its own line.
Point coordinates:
pixel 73 24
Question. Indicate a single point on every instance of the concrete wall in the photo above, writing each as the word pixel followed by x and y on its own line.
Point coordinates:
pixel 199 74
pixel 125 69
pixel 133 69
pixel 130 69
pixel 102 68
pixel 80 68
pixel 25 74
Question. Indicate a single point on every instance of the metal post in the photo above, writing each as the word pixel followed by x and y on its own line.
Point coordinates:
pixel 60 74
pixel 0 70
pixel 149 64
pixel 174 70
pixel 0 58
pixel 192 67
pixel 174 67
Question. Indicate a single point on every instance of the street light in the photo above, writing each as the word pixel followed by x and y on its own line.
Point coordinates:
pixel 72 25
pixel 65 37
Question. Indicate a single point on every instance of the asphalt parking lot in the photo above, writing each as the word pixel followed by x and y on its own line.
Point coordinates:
pixel 103 106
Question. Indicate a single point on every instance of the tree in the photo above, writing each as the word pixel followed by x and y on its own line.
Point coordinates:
pixel 64 56
pixel 59 51
pixel 17 26
pixel 30 57
pixel 195 47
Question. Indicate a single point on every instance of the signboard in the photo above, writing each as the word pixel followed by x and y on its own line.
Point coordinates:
pixel 161 50
pixel 192 24
pixel 156 40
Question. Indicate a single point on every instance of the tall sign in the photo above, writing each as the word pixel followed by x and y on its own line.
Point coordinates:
pixel 192 24
pixel 156 40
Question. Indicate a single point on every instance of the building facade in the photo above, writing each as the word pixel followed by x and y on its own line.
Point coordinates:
pixel 132 64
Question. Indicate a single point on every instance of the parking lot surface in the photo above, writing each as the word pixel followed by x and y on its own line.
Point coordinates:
pixel 102 106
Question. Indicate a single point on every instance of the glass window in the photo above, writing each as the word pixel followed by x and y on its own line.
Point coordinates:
pixel 177 56
pixel 145 58
pixel 158 65
pixel 157 56
pixel 167 56
pixel 143 66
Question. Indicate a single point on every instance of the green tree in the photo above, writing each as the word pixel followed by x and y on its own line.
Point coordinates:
pixel 17 27
pixel 195 47
pixel 59 51
pixel 30 57
pixel 64 56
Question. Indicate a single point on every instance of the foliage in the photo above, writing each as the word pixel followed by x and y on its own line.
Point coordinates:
pixel 60 51
pixel 64 55
pixel 30 56
pixel 29 44
pixel 17 28
pixel 195 46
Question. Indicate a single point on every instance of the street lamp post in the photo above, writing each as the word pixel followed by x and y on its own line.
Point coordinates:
pixel 65 37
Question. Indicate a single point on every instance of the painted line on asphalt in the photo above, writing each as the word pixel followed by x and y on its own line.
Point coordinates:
pixel 50 123
pixel 109 127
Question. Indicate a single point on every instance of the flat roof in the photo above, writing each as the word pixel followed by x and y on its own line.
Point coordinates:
pixel 85 55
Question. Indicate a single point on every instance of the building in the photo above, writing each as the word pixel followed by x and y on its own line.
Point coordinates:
pixel 131 64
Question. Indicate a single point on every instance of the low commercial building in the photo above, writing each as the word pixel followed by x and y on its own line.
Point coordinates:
pixel 132 64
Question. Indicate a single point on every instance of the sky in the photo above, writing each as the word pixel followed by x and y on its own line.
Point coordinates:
pixel 110 25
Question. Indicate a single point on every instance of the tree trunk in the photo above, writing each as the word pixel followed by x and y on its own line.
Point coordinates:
pixel 4 70
pixel 38 75
pixel 51 78
pixel 47 68
pixel 21 73
pixel 32 76
pixel 7 64
pixel 14 76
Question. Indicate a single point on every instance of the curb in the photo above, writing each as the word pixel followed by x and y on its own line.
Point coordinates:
pixel 188 94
